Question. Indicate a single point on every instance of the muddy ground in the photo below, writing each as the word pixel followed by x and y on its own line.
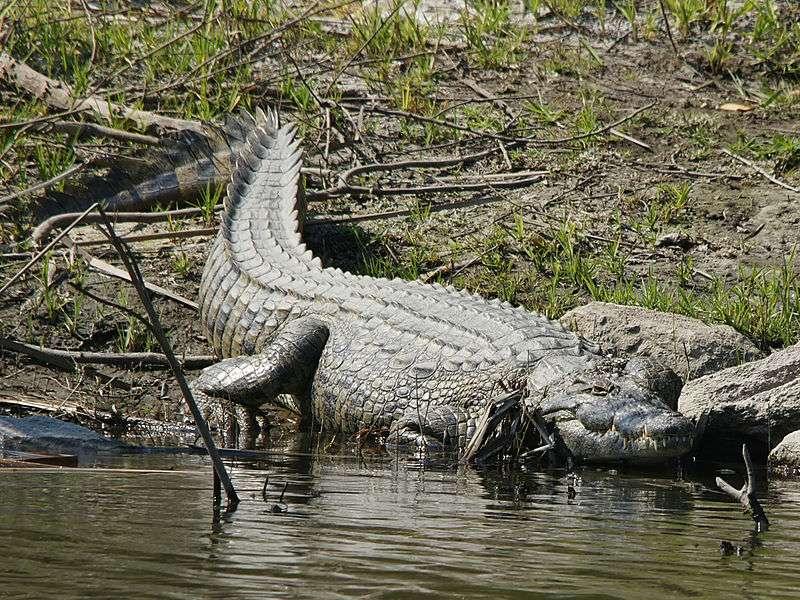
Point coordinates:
pixel 659 212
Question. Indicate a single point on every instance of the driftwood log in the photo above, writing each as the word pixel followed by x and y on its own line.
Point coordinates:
pixel 746 496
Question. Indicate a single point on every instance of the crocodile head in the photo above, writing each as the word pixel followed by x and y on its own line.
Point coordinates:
pixel 608 410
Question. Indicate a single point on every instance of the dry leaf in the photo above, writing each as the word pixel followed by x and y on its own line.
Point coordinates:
pixel 736 107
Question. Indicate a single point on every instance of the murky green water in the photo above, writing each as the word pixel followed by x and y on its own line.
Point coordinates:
pixel 379 530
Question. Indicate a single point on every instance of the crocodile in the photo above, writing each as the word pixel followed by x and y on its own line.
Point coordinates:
pixel 427 364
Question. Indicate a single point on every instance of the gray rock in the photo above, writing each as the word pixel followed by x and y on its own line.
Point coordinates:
pixel 49 435
pixel 787 453
pixel 688 346
pixel 760 399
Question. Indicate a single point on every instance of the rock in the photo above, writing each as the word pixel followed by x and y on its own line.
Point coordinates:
pixel 49 435
pixel 787 453
pixel 686 345
pixel 759 400
pixel 677 240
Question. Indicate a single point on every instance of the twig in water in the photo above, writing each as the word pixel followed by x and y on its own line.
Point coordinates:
pixel 138 282
pixel 746 496
pixel 280 506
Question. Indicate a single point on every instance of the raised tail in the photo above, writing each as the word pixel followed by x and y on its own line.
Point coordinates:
pixel 261 222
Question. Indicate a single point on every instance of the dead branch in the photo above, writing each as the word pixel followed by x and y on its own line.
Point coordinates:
pixel 447 268
pixel 425 163
pixel 746 496
pixel 41 231
pixel 38 121
pixel 412 190
pixel 77 128
pixel 507 138
pixel 138 282
pixel 402 213
pixel 105 268
pixel 761 171
pixel 669 29
pixel 48 247
pixel 164 235
pixel 43 184
pixel 124 360
pixel 59 95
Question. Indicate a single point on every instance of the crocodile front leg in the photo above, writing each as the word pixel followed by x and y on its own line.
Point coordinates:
pixel 286 366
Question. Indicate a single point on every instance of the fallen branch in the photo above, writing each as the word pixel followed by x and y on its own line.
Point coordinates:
pixel 138 282
pixel 125 360
pixel 761 171
pixel 447 268
pixel 163 235
pixel 78 128
pixel 507 138
pixel 406 190
pixel 746 496
pixel 44 228
pixel 47 248
pixel 59 95
pixel 105 268
pixel 43 184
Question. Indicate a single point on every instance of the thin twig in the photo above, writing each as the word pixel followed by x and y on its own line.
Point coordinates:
pixel 138 283
pixel 760 171
pixel 506 138
pixel 168 235
pixel 105 268
pixel 669 29
pixel 77 128
pixel 47 248
pixel 423 189
pixel 125 360
pixel 43 184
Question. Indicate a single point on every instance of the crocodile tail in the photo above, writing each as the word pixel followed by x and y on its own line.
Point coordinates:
pixel 177 171
pixel 261 222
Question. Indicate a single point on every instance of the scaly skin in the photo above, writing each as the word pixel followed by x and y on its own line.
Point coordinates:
pixel 423 360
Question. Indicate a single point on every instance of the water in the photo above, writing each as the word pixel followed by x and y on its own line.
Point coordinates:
pixel 386 530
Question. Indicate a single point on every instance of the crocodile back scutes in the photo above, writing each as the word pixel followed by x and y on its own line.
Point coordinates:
pixel 260 223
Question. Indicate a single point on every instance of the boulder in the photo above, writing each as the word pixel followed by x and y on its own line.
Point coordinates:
pixel 688 346
pixel 49 435
pixel 786 455
pixel 759 400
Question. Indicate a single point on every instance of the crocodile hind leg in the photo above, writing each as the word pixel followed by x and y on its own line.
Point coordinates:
pixel 285 367
pixel 435 429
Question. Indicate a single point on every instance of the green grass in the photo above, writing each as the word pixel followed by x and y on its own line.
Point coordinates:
pixel 209 60
pixel 557 271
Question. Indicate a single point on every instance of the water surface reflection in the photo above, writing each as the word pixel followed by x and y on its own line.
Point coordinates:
pixel 386 529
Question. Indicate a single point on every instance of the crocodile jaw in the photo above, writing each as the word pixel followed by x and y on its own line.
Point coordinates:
pixel 666 437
